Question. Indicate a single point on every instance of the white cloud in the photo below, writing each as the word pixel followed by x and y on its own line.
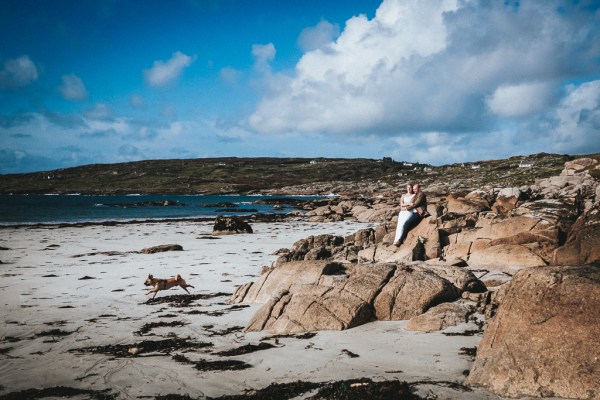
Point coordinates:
pixel 577 120
pixel 318 36
pixel 18 73
pixel 263 54
pixel 436 66
pixel 164 72
pixel 521 100
pixel 229 75
pixel 72 88
pixel 99 111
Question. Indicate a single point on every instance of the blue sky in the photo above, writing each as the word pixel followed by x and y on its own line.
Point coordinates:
pixel 104 81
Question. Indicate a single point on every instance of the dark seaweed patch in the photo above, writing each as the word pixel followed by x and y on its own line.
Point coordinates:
pixel 468 351
pixel 183 300
pixel 307 335
pixel 219 365
pixel 151 325
pixel 58 391
pixel 358 389
pixel 248 348
pixel 465 333
pixel 349 353
pixel 54 333
pixel 223 332
pixel 165 346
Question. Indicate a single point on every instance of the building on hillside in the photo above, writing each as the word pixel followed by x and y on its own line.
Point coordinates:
pixel 526 164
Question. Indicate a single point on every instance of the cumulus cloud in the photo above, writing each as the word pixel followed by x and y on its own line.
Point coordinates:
pixel 576 120
pixel 263 54
pixel 72 88
pixel 318 36
pixel 164 72
pixel 521 100
pixel 18 73
pixel 99 111
pixel 439 66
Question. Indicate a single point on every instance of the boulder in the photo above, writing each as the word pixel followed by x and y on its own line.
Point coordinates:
pixel 288 277
pixel 311 308
pixel 583 242
pixel 320 247
pixel 505 258
pixel 412 291
pixel 542 341
pixel 440 317
pixel 230 225
pixel 427 230
pixel 578 165
pixel 506 200
pixel 459 204
pixel 463 279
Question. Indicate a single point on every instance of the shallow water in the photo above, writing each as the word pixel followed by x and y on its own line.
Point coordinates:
pixel 31 209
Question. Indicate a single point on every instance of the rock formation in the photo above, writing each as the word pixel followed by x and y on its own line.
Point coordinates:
pixel 230 225
pixel 543 339
pixel 541 318
pixel 305 296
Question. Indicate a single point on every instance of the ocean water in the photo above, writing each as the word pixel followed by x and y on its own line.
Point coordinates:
pixel 32 209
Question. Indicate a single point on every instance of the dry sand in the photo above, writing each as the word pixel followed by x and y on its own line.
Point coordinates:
pixel 70 288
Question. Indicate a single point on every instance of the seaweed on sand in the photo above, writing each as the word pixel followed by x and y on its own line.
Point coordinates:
pixel 165 346
pixel 183 300
pixel 218 365
pixel 58 391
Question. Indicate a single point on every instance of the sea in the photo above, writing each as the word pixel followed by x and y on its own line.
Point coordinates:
pixel 56 209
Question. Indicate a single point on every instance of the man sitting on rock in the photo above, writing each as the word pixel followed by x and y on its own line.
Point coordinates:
pixel 418 209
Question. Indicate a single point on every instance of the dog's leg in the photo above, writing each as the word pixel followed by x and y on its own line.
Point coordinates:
pixel 183 287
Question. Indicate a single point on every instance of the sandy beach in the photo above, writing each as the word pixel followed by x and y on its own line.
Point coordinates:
pixel 74 306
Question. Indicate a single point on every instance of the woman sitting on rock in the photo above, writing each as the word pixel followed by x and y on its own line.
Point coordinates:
pixel 412 207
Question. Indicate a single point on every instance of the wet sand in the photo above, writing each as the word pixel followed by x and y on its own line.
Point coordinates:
pixel 75 315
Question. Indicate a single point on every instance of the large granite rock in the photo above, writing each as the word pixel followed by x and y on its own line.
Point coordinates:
pixel 412 291
pixel 321 307
pixel 543 339
pixel 469 203
pixel 583 242
pixel 289 277
pixel 440 317
pixel 316 295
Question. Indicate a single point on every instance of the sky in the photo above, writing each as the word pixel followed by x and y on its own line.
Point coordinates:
pixel 436 81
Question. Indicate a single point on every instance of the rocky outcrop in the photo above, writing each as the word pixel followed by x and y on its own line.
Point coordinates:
pixel 411 292
pixel 583 242
pixel 230 225
pixel 543 339
pixel 321 307
pixel 314 295
pixel 440 317
pixel 289 277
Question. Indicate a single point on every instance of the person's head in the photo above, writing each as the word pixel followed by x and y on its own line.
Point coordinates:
pixel 409 187
pixel 416 188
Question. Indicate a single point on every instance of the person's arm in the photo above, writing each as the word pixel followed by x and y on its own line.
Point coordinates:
pixel 417 201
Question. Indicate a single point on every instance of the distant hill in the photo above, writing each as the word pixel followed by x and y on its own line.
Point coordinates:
pixel 279 175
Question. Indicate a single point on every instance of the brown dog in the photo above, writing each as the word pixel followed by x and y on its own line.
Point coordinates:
pixel 164 284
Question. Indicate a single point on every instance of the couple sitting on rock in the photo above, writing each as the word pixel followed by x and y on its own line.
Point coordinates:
pixel 413 207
